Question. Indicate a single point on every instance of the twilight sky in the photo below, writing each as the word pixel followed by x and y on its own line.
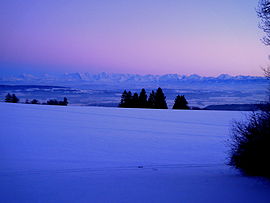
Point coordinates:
pixel 131 36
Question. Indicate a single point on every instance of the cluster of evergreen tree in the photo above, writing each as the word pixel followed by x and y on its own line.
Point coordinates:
pixel 49 102
pixel 156 100
pixel 56 102
pixel 11 98
pixel 134 101
pixel 34 101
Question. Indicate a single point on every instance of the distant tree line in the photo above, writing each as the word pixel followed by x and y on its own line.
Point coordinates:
pixel 55 102
pixel 12 98
pixel 156 100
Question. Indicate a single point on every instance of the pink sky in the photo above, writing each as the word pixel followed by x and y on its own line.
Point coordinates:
pixel 140 37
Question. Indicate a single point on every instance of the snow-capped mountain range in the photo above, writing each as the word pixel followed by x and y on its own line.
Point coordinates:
pixel 113 77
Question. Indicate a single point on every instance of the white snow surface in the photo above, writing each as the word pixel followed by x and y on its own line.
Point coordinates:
pixel 93 154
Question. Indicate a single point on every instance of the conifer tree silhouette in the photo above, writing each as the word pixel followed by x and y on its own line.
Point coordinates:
pixel 142 99
pixel 65 102
pixel 126 100
pixel 135 100
pixel 14 99
pixel 160 100
pixel 180 102
pixel 8 98
pixel 123 99
pixel 34 101
pixel 11 98
pixel 129 99
pixel 151 100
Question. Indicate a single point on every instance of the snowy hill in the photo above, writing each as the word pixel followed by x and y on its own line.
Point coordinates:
pixel 91 154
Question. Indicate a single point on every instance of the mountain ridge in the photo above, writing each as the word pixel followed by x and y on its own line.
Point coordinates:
pixel 118 77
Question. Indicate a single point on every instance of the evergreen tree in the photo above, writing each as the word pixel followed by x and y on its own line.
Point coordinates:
pixel 155 100
pixel 34 101
pixel 151 100
pixel 143 99
pixel 11 98
pixel 160 100
pixel 123 99
pixel 129 100
pixel 8 98
pixel 126 100
pixel 64 102
pixel 180 102
pixel 27 101
pixel 14 99
pixel 52 102
pixel 135 101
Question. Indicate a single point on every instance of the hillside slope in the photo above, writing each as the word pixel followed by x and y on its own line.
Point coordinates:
pixel 88 154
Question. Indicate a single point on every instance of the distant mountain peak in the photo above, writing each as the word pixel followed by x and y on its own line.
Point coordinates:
pixel 224 76
pixel 115 79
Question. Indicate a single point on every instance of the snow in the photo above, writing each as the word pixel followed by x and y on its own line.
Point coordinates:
pixel 115 78
pixel 93 154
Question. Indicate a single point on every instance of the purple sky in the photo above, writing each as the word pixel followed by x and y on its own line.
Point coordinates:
pixel 142 36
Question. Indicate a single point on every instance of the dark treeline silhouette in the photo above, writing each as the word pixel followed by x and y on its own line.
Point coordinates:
pixel 49 102
pixel 11 98
pixel 55 102
pixel 156 100
pixel 35 101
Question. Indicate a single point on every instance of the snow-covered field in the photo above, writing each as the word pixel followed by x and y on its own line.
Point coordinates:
pixel 92 154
